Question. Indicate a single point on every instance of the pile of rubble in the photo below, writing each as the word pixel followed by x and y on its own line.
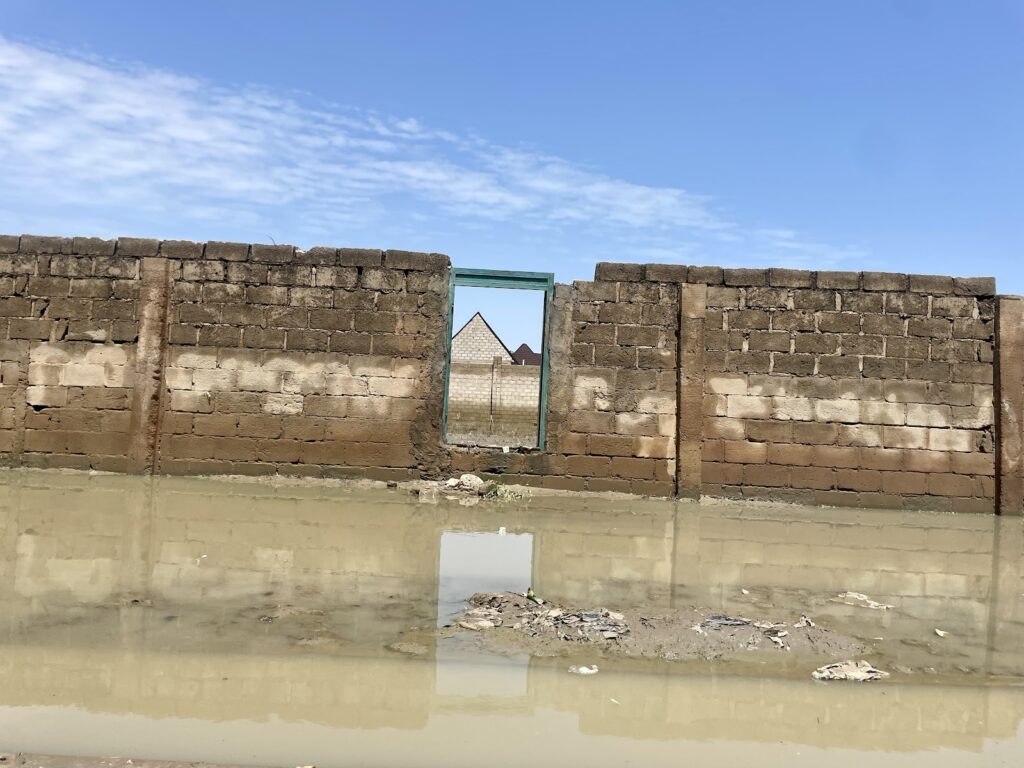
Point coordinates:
pixel 532 617
pixel 512 621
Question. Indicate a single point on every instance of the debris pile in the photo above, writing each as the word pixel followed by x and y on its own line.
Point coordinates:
pixel 860 600
pixel 533 618
pixel 527 623
pixel 855 671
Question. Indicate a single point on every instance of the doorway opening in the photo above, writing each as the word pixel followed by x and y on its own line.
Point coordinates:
pixel 497 364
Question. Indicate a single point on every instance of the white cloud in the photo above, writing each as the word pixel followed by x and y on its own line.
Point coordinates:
pixel 87 139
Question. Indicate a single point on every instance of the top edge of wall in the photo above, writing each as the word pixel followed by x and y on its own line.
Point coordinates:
pixel 796 278
pixel 137 247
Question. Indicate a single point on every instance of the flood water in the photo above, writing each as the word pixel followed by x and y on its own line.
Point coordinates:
pixel 250 623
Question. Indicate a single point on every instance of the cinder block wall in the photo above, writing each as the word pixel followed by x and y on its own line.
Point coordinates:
pixel 848 388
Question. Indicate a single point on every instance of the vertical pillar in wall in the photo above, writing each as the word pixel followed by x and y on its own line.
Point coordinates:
pixel 690 397
pixel 1009 402
pixel 154 298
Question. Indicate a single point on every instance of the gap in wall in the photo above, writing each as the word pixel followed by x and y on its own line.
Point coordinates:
pixel 494 379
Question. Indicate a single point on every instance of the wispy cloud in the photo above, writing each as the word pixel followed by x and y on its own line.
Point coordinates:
pixel 89 140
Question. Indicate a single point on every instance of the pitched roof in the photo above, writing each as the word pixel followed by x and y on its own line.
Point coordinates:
pixel 526 356
pixel 484 321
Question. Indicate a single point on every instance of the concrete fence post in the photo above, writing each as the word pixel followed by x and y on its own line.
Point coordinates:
pixel 690 396
pixel 150 357
pixel 1009 401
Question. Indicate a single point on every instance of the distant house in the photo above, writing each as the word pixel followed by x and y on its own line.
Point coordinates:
pixel 526 356
pixel 476 342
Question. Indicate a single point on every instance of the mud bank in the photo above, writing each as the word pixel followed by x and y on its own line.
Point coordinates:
pixel 513 622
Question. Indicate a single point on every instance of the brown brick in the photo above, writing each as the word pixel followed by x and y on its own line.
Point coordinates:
pixel 934 328
pixel 273 254
pixel 814 300
pixel 137 246
pixel 797 365
pixel 835 456
pixel 415 261
pixel 181 249
pixel 858 480
pixel 950 485
pixel 316 341
pixel 931 284
pixel 737 452
pixel 816 478
pixel 902 347
pixel 719 473
pixel 884 281
pixel 885 368
pixel 29 329
pixel 612 445
pixel 707 275
pixel 766 475
pixel 632 468
pixel 974 286
pixel 666 273
pixel 746 277
pixel 839 322
pixel 749 319
pixel 588 466
pixel 618 272
pixel 795 455
pixel 790 278
pixel 769 341
pixel 44 244
pixel 767 298
pixel 93 246
pixel 839 280
pixel 9 243
pixel 973 329
pixel 906 304
pixel 263 338
pixel 904 483
pixel 637 335
pixel 227 251
pixel 798 320
pixel 883 325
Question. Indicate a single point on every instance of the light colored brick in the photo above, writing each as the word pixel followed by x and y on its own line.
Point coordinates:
pixel 792 409
pixel 748 407
pixel 883 413
pixel 727 384
pixel 844 411
pixel 283 404
pixel 920 415
pixel 951 440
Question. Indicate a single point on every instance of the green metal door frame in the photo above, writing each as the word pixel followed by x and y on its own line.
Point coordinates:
pixel 496 278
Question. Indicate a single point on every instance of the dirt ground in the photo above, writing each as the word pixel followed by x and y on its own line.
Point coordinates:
pixel 512 622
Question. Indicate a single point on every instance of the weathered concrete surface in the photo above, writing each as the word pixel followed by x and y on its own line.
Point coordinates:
pixel 692 311
pixel 154 296
pixel 1010 400
pixel 840 388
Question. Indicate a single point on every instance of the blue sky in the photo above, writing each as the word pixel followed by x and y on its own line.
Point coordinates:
pixel 537 136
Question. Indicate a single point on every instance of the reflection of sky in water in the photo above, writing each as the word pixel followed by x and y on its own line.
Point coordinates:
pixel 481 562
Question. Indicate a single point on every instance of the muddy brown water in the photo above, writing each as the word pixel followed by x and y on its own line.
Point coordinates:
pixel 250 623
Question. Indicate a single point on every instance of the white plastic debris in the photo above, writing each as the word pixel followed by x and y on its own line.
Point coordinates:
pixel 804 622
pixel 941 632
pixel 745 591
pixel 591 670
pixel 855 671
pixel 471 482
pixel 477 625
pixel 860 600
